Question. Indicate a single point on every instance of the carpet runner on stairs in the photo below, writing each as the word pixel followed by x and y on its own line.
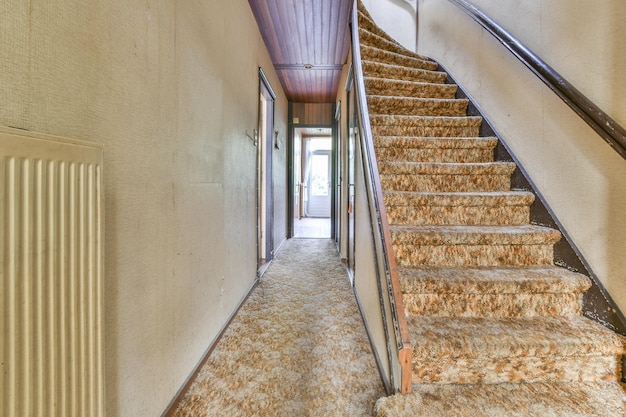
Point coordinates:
pixel 496 328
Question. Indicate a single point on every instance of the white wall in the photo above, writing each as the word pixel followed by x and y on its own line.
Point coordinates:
pixel 578 173
pixel 170 89
pixel 397 18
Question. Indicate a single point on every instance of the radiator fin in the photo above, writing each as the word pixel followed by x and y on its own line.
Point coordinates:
pixel 51 253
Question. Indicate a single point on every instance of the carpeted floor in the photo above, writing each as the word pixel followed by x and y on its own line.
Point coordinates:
pixel 297 347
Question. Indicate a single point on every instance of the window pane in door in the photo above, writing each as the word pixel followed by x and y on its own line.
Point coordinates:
pixel 319 175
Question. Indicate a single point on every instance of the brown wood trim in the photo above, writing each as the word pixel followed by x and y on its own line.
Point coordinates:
pixel 406 362
pixel 171 408
pixel 403 340
pixel 596 118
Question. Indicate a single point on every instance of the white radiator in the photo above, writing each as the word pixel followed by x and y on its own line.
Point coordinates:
pixel 51 266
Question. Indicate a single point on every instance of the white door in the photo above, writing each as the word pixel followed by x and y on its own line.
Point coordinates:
pixel 318 184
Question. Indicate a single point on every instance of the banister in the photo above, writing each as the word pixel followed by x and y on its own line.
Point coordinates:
pixel 403 342
pixel 596 118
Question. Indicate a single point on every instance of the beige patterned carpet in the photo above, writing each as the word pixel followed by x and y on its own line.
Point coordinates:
pixel 297 347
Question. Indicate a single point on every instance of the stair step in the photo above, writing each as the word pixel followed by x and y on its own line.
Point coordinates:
pixel 470 350
pixel 374 54
pixel 399 72
pixel 416 149
pixel 583 399
pixel 473 246
pixel 366 23
pixel 437 168
pixel 493 292
pixel 362 13
pixel 425 126
pixel 375 40
pixel 417 106
pixel 446 177
pixel 469 209
pixel 386 87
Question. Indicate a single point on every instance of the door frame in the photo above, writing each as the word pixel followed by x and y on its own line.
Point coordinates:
pixel 334 181
pixel 264 182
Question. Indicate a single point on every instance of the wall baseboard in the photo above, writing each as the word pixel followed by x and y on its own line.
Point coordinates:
pixel 173 405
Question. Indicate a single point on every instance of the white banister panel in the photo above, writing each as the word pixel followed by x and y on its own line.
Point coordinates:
pixel 51 236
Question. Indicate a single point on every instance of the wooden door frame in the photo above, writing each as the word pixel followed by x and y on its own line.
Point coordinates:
pixel 291 166
pixel 265 186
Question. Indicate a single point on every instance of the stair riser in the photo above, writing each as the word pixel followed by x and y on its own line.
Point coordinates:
pixel 383 57
pixel 402 73
pixel 377 40
pixel 367 24
pixel 392 106
pixel 457 215
pixel 381 88
pixel 516 370
pixel 445 183
pixel 405 74
pixel 492 305
pixel 466 155
pixel 473 255
pixel 425 131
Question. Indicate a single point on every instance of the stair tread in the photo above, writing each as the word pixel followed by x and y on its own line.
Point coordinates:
pixel 366 22
pixel 393 86
pixel 466 199
pixel 402 99
pixel 474 337
pixel 447 168
pixel 371 52
pixel 408 120
pixel 580 399
pixel 513 280
pixel 378 41
pixel 433 142
pixel 474 235
pixel 393 71
pixel 417 106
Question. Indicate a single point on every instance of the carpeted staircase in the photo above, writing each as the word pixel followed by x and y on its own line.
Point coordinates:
pixel 496 328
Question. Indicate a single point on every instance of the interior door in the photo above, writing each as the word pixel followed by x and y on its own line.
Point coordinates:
pixel 318 184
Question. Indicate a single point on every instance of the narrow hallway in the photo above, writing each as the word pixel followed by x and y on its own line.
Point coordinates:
pixel 297 347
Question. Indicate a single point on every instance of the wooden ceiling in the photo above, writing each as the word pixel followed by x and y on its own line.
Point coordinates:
pixel 308 41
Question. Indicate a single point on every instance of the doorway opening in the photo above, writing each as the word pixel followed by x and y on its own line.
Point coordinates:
pixel 312 200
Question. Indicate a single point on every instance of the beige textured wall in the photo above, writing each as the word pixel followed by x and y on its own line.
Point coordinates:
pixel 170 89
pixel 580 176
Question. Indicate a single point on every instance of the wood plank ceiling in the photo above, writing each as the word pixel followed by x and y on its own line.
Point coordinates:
pixel 308 41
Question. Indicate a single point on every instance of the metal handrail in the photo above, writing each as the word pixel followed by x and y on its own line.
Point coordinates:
pixel 401 330
pixel 596 118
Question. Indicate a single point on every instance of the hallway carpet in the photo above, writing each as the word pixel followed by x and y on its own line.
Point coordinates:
pixel 297 347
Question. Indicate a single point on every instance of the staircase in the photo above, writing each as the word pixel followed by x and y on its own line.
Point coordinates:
pixel 496 328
